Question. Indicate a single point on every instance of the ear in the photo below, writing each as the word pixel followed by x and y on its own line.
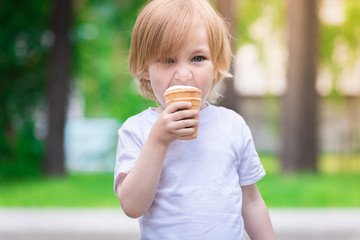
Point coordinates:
pixel 146 74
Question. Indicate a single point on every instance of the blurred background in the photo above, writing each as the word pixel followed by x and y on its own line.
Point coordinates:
pixel 65 89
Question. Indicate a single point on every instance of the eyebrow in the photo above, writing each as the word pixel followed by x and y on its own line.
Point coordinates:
pixel 201 49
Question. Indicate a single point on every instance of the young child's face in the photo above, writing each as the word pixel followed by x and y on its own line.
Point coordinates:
pixel 191 66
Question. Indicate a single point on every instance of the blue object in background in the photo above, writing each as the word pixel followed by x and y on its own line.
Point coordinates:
pixel 90 144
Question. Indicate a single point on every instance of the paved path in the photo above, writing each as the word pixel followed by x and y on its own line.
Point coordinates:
pixel 109 224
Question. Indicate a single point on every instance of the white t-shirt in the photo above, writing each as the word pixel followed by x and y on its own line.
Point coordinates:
pixel 199 194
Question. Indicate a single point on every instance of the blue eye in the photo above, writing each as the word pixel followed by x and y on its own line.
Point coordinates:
pixel 198 59
pixel 169 60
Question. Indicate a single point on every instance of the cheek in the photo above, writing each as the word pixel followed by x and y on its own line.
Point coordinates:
pixel 158 87
pixel 160 97
pixel 207 85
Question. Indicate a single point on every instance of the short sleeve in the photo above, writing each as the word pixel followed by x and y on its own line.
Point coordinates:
pixel 128 149
pixel 250 168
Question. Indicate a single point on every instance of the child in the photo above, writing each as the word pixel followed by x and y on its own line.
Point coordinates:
pixel 187 189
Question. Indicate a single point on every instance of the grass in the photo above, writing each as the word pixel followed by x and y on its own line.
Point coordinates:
pixel 336 184
pixel 325 189
pixel 310 190
pixel 74 190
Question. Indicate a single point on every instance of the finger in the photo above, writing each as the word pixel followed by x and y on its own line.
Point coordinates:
pixel 185 132
pixel 176 106
pixel 180 128
pixel 185 124
pixel 185 114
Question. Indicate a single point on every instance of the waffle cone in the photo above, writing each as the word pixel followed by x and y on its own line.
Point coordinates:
pixel 192 95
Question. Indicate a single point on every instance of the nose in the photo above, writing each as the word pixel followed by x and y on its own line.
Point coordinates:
pixel 182 72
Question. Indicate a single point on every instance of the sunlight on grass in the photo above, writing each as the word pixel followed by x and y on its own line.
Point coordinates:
pixel 328 163
pixel 335 185
pixel 311 190
pixel 334 163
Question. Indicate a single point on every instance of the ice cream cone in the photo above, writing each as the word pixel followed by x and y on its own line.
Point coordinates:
pixel 185 94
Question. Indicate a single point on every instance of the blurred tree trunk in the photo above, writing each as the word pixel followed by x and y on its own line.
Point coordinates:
pixel 227 8
pixel 353 116
pixel 299 103
pixel 58 88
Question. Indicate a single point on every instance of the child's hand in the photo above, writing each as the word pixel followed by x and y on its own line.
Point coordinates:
pixel 175 121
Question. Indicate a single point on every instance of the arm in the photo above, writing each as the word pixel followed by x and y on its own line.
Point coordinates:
pixel 136 191
pixel 256 217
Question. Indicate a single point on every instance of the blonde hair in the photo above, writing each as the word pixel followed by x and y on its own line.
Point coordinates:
pixel 164 26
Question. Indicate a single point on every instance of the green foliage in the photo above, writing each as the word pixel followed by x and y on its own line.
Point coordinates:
pixel 345 35
pixel 338 43
pixel 250 11
pixel 25 160
pixel 102 34
pixel 24 50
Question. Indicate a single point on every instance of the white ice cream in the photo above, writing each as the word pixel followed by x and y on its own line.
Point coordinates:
pixel 180 87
